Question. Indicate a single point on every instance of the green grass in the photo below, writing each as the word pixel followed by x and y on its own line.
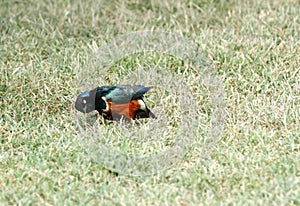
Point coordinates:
pixel 254 46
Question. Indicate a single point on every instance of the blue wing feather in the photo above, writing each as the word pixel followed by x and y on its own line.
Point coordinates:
pixel 122 93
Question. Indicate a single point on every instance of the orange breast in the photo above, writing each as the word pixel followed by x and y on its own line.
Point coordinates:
pixel 127 110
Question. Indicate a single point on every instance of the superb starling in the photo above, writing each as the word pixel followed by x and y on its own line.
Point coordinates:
pixel 115 102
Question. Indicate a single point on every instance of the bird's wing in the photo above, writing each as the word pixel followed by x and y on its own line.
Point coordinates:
pixel 121 94
pixel 139 91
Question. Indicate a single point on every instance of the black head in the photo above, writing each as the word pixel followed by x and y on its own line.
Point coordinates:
pixel 85 102
pixel 89 101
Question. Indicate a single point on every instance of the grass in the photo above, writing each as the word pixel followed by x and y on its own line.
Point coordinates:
pixel 254 47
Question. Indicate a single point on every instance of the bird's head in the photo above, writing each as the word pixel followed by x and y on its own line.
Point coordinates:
pixel 85 102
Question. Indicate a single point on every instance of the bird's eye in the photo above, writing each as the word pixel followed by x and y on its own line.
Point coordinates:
pixel 84 101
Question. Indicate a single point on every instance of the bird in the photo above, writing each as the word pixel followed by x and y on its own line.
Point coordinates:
pixel 115 102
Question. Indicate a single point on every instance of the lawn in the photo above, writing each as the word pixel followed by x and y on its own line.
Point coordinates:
pixel 228 135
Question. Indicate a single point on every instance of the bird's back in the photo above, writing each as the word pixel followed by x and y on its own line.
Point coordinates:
pixel 121 94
